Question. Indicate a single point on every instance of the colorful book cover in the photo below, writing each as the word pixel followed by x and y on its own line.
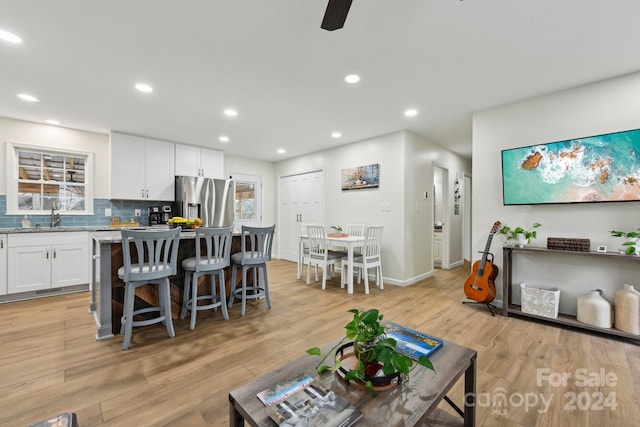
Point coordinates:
pixel 412 343
pixel 279 392
pixel 310 405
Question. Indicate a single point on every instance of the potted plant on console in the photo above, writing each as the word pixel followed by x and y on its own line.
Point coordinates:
pixel 633 245
pixel 373 350
pixel 520 235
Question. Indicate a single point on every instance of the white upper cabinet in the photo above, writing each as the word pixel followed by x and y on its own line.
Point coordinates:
pixel 198 161
pixel 141 168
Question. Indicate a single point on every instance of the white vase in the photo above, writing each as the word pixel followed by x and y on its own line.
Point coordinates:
pixel 594 310
pixel 521 240
pixel 627 310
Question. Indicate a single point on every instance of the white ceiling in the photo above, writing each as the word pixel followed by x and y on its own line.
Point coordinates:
pixel 270 60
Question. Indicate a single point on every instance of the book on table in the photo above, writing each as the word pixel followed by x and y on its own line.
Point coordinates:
pixel 297 401
pixel 412 343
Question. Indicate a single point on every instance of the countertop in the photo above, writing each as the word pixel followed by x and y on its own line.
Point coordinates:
pixel 20 230
pixel 116 238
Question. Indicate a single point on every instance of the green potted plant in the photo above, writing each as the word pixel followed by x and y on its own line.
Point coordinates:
pixel 633 245
pixel 519 234
pixel 374 351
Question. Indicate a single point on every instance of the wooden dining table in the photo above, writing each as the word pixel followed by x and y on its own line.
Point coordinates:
pixel 347 242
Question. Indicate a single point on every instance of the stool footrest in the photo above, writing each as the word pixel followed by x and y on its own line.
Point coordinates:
pixel 146 322
pixel 253 292
pixel 217 302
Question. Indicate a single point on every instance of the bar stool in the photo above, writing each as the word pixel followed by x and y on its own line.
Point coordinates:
pixel 154 259
pixel 254 255
pixel 216 257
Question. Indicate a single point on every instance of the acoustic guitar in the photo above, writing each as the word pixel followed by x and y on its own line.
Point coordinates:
pixel 479 286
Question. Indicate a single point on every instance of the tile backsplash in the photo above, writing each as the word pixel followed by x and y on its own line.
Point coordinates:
pixel 125 209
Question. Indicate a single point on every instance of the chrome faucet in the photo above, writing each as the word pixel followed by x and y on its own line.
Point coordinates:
pixel 55 217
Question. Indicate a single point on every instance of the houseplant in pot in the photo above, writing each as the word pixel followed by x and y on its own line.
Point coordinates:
pixel 519 235
pixel 374 351
pixel 633 245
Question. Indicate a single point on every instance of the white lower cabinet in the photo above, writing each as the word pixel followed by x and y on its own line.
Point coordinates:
pixel 47 260
pixel 3 264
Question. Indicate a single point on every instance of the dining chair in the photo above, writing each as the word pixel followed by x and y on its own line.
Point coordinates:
pixel 150 257
pixel 208 262
pixel 255 253
pixel 370 258
pixel 320 255
pixel 355 229
pixel 303 256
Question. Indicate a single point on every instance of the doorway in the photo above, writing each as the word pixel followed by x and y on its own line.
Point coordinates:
pixel 467 220
pixel 441 223
pixel 247 200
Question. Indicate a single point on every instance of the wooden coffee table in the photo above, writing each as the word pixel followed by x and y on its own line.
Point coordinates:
pixel 405 405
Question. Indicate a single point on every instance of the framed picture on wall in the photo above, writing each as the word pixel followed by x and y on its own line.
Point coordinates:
pixel 602 168
pixel 361 177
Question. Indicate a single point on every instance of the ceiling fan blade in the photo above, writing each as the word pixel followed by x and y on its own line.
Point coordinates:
pixel 336 14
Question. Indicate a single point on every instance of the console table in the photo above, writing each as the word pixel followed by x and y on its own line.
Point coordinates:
pixel 405 405
pixel 563 319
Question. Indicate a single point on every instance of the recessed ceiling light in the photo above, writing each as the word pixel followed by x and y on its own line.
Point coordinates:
pixel 27 97
pixel 143 87
pixel 411 112
pixel 352 78
pixel 9 37
pixel 281 151
pixel 230 112
pixel 224 138
pixel 336 135
pixel 52 122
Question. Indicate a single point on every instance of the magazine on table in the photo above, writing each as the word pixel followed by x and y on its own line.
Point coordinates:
pixel 298 402
pixel 412 343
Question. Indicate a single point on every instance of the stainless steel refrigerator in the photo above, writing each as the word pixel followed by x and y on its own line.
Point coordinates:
pixel 209 199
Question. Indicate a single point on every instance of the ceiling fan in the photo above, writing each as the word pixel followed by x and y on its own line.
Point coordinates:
pixel 335 15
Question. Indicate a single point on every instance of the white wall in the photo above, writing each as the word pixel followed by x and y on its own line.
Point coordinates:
pixel 361 206
pixel 421 157
pixel 604 107
pixel 406 172
pixel 55 136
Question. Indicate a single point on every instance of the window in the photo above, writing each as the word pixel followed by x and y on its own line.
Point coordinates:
pixel 40 179
pixel 247 199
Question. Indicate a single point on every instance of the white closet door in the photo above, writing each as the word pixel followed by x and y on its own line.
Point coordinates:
pixel 301 201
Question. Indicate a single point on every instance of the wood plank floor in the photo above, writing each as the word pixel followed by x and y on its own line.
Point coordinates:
pixel 51 363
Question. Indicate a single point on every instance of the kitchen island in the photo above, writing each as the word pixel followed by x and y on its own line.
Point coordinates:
pixel 107 294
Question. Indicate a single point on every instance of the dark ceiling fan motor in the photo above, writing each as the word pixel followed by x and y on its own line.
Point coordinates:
pixel 336 14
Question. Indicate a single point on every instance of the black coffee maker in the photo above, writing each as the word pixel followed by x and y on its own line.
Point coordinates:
pixel 155 215
pixel 159 215
pixel 166 214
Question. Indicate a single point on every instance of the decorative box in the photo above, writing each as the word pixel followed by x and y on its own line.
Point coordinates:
pixel 540 301
pixel 568 244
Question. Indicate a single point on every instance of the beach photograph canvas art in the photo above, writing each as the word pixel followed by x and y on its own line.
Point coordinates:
pixel 603 168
